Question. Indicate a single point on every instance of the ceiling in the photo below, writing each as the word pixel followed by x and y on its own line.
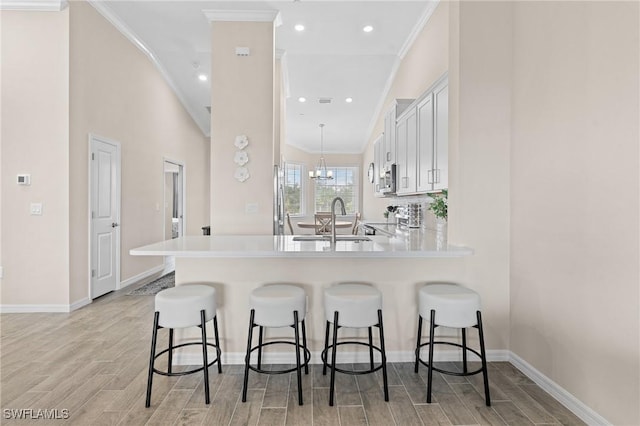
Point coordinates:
pixel 333 58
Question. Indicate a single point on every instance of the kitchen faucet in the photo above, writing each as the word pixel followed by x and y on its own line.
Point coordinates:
pixel 333 217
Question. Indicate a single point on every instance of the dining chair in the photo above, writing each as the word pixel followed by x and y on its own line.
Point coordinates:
pixel 323 223
pixel 356 222
pixel 289 224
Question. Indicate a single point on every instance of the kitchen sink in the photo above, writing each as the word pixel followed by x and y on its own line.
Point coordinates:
pixel 354 238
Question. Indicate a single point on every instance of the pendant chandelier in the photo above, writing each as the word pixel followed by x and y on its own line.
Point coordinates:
pixel 321 172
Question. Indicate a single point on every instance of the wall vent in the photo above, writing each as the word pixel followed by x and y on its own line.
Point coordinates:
pixel 324 100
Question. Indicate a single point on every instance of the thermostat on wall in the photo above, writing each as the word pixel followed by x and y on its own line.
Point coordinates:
pixel 24 179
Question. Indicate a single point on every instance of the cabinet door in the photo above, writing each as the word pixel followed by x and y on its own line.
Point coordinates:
pixel 441 137
pixel 389 152
pixel 401 157
pixel 378 164
pixel 406 141
pixel 424 163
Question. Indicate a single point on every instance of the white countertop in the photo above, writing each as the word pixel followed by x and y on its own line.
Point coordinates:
pixel 418 245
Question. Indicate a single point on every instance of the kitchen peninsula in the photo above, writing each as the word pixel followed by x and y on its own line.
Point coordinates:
pixel 235 265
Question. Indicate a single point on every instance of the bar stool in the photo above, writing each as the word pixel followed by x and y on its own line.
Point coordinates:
pixel 353 306
pixel 181 307
pixel 277 305
pixel 451 305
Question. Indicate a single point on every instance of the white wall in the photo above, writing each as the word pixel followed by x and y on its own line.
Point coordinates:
pixel 64 75
pixel 575 200
pixel 242 103
pixel 117 92
pixel 35 140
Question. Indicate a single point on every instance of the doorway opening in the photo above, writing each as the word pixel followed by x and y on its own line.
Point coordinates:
pixel 174 205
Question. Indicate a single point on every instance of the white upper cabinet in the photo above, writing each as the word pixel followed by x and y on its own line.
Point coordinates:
pixel 424 158
pixel 441 136
pixel 422 136
pixel 390 118
pixel 406 146
pixel 378 165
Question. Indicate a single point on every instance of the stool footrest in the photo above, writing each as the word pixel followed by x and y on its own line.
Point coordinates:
pixel 307 357
pixel 195 370
pixel 323 356
pixel 451 373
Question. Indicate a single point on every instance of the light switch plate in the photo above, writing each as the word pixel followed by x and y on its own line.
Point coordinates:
pixel 36 209
pixel 251 208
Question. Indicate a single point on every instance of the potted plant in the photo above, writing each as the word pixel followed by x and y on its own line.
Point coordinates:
pixel 439 205
pixel 439 208
pixel 389 210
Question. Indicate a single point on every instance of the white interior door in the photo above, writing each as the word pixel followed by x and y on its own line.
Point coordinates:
pixel 105 216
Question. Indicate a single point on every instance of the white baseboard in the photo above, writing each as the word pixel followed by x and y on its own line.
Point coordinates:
pixel 572 403
pixel 79 304
pixel 30 308
pixel 141 276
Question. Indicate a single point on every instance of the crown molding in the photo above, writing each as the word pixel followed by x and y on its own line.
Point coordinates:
pixel 243 16
pixel 34 5
pixel 137 41
pixel 417 29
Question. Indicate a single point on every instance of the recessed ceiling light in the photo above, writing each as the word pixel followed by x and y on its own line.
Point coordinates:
pixel 202 77
pixel 299 27
pixel 302 99
pixel 348 100
pixel 367 28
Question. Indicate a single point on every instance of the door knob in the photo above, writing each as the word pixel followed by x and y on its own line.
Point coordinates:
pixel 113 225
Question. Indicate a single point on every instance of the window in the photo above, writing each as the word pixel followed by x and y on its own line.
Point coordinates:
pixel 293 174
pixel 344 185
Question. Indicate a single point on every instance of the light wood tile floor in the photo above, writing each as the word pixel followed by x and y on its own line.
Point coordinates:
pixel 93 363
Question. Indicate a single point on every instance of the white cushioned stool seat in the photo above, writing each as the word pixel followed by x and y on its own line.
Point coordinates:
pixel 353 305
pixel 455 306
pixel 180 306
pixel 357 304
pixel 189 305
pixel 274 304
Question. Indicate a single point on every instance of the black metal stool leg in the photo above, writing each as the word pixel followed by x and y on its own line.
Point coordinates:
pixel 370 348
pixel 333 358
pixel 298 368
pixel 260 334
pixel 218 351
pixel 384 357
pixel 205 360
pixel 304 344
pixel 247 357
pixel 432 328
pixel 152 357
pixel 170 357
pixel 326 349
pixel 464 350
pixel 484 360
pixel 418 342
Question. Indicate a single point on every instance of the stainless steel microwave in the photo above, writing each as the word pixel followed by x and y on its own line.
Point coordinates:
pixel 388 180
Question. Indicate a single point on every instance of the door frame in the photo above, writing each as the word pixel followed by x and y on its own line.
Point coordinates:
pixel 91 138
pixel 170 265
